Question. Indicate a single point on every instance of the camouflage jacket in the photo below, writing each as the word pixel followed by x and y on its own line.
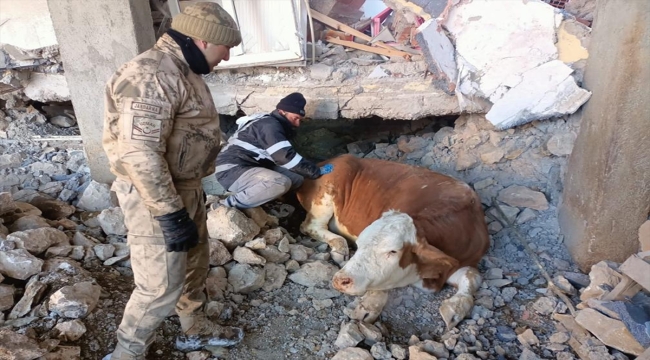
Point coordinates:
pixel 161 128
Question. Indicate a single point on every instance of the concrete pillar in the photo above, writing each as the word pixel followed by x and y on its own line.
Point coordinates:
pixel 95 38
pixel 607 188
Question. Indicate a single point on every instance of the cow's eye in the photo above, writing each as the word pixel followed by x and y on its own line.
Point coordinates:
pixel 392 252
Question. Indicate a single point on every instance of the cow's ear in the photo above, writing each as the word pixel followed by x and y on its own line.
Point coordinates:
pixel 434 266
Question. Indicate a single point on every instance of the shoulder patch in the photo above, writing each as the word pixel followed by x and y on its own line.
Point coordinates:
pixel 146 107
pixel 145 128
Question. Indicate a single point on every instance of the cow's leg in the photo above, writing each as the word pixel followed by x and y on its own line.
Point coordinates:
pixel 453 310
pixel 316 226
pixel 368 307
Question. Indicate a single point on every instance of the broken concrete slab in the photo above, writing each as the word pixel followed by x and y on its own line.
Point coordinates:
pixel 27 24
pixel 610 331
pixel 47 88
pixel 544 92
pixel 439 53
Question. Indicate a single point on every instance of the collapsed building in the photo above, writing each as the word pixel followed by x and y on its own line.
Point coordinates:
pixel 489 92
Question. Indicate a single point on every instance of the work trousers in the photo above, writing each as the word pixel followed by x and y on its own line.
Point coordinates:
pixel 260 185
pixel 164 281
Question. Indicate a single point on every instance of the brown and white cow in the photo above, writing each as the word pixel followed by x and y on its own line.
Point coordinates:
pixel 411 226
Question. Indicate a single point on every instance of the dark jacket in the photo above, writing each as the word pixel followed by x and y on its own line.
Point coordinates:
pixel 261 140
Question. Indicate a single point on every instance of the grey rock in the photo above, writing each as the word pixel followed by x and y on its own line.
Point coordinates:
pixel 76 301
pixel 14 346
pixel 527 354
pixel 231 226
pixel 219 255
pixel 70 330
pixel 564 285
pixel 417 353
pixel 256 244
pixel 283 246
pixel 272 236
pixel 245 278
pixel 494 273
pixel 398 352
pixel 63 121
pixel 96 197
pixel 521 196
pixel 561 144
pixel 370 332
pixel 314 274
pixel 508 293
pixel 435 348
pixel 559 338
pixel 352 353
pixel 544 305
pixel 275 275
pixel 273 255
pixel 81 239
pixel 245 255
pixel 299 252
pixel 112 221
pixel 379 352
pixel 349 336
pixel 51 169
pixel 19 264
pixel 33 293
pixel 528 337
pixel 28 222
pixel 610 331
pixel 505 333
pixel 104 251
pixel 6 297
pixel 36 241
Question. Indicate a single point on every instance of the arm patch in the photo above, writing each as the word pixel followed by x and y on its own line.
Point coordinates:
pixel 146 129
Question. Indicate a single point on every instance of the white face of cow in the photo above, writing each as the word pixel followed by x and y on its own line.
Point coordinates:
pixel 376 263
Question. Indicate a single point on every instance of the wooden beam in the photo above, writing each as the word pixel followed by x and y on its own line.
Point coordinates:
pixel 380 51
pixel 337 25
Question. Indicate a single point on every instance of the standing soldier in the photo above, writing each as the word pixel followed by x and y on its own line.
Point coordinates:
pixel 161 135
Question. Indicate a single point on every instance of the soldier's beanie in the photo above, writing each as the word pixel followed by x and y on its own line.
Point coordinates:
pixel 209 22
pixel 293 103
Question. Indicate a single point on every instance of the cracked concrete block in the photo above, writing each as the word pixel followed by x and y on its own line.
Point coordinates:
pixel 47 88
pixel 439 54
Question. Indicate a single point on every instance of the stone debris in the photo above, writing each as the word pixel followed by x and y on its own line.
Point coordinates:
pixel 34 290
pixel 610 331
pixel 521 196
pixel 245 255
pixel 19 264
pixel 349 336
pixel 231 226
pixel 75 301
pixel 314 274
pixel 14 346
pixel 96 197
pixel 71 330
pixel 245 278
pixel 6 297
pixel 112 221
pixel 219 255
pixel 352 353
pixel 28 222
pixel 528 338
pixel 37 241
pixel 275 276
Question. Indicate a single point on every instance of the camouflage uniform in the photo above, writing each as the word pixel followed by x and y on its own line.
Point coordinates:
pixel 161 135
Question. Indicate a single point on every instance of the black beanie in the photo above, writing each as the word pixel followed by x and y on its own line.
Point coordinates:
pixel 293 103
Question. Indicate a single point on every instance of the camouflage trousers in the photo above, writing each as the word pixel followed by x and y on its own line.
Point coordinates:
pixel 164 281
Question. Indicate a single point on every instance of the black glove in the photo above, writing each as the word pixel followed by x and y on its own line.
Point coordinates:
pixel 179 230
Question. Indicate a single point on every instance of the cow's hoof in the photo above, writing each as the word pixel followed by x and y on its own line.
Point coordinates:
pixel 338 258
pixel 368 307
pixel 455 309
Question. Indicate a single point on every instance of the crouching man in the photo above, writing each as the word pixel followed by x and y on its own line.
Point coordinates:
pixel 161 136
pixel 259 164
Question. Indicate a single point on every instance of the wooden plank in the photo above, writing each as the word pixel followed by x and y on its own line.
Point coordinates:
pixel 337 25
pixel 637 269
pixel 626 288
pixel 385 52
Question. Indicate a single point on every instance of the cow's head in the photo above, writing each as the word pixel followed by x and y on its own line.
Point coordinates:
pixel 389 255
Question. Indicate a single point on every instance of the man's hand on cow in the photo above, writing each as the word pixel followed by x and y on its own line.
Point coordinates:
pixel 326 169
pixel 179 230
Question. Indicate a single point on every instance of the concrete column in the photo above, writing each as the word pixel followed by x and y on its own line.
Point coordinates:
pixel 95 38
pixel 607 188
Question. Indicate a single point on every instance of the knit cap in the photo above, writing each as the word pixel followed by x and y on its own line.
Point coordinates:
pixel 293 103
pixel 209 22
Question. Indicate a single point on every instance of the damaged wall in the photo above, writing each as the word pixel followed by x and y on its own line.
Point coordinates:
pixel 607 194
